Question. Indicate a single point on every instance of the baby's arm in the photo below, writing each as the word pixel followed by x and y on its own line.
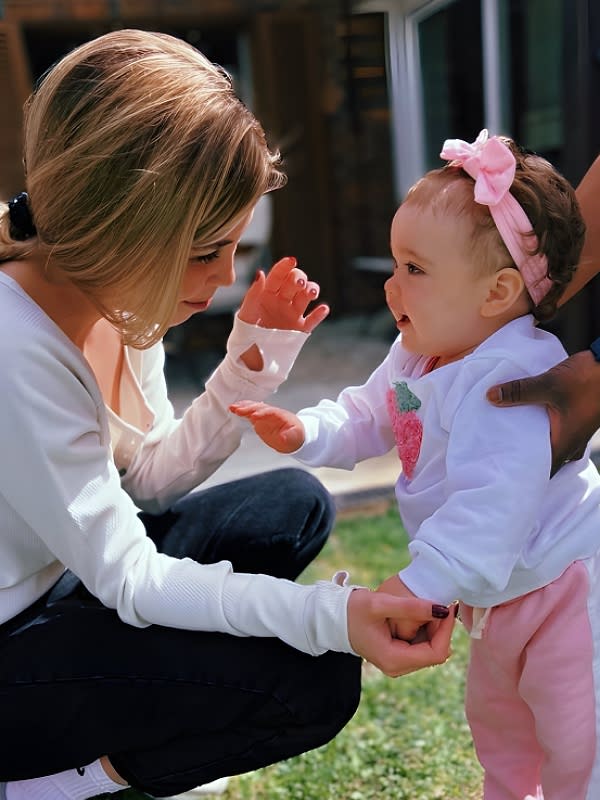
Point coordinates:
pixel 280 429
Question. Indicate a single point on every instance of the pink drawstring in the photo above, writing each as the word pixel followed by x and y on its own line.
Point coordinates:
pixel 490 162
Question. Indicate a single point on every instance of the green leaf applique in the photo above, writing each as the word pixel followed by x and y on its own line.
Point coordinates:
pixel 405 399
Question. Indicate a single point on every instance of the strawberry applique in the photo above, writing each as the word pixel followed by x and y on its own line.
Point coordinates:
pixel 406 425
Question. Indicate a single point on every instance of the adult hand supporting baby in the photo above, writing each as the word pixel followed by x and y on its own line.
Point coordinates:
pixel 408 629
pixel 371 637
pixel 569 392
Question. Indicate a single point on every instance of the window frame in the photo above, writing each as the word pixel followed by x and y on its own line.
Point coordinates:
pixel 406 89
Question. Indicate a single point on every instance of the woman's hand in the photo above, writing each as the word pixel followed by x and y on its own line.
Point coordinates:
pixel 281 430
pixel 570 392
pixel 370 635
pixel 401 628
pixel 281 298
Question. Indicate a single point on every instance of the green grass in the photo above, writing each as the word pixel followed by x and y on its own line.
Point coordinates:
pixel 409 739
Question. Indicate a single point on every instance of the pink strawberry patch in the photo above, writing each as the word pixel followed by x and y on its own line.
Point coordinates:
pixel 406 425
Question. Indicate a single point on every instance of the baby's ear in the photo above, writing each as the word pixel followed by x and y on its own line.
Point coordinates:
pixel 506 293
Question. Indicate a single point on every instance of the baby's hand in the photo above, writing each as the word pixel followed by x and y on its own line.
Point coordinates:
pixel 280 299
pixel 402 628
pixel 280 429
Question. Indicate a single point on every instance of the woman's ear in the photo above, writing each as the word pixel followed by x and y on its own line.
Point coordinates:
pixel 506 289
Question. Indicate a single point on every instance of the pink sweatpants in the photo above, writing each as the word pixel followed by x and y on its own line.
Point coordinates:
pixel 533 691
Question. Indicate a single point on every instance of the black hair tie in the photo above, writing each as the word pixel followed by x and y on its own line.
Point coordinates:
pixel 21 221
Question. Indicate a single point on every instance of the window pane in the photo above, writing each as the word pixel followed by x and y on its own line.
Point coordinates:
pixel 452 75
pixel 536 75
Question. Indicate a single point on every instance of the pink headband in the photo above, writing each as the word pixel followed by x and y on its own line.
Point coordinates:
pixel 492 165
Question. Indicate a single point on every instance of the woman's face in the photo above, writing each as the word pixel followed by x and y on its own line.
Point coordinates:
pixel 209 267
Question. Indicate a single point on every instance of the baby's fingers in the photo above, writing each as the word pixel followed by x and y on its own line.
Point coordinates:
pixel 245 408
pixel 256 411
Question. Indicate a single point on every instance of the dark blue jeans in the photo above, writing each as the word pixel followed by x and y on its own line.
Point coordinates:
pixel 173 708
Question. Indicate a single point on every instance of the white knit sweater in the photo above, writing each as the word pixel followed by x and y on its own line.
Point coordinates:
pixel 73 477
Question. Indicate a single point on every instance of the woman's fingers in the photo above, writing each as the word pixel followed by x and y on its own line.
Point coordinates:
pixel 295 284
pixel 315 317
pixel 250 310
pixel 433 652
pixel 279 273
pixel 538 390
pixel 369 632
pixel 414 609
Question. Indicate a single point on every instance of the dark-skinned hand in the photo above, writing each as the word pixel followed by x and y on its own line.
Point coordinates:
pixel 570 392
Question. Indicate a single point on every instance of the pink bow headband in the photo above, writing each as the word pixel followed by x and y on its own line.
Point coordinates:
pixel 490 162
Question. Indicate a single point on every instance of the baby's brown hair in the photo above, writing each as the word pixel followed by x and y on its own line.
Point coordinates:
pixel 545 195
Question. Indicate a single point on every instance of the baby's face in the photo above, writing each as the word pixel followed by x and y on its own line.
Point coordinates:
pixel 436 290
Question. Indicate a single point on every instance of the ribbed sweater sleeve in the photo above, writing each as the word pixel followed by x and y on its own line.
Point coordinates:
pixel 177 455
pixel 61 500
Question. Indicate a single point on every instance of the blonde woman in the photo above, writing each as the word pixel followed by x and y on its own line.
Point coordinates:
pixel 150 636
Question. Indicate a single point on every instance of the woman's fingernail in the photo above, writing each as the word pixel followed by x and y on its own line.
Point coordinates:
pixel 300 282
pixel 439 612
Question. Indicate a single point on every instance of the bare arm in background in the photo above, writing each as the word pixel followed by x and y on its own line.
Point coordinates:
pixel 571 390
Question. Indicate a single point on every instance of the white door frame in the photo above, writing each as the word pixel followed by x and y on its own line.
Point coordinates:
pixel 405 85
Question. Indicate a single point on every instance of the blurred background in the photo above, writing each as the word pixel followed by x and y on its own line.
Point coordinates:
pixel 358 96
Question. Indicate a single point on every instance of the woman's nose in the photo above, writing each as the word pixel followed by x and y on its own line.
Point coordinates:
pixel 224 272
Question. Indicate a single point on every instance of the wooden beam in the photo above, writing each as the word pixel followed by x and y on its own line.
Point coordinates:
pixel 15 86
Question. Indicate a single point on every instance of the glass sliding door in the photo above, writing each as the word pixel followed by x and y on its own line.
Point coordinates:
pixel 451 74
pixel 452 67
pixel 533 51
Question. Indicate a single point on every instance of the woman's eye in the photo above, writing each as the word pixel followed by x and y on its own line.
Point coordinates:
pixel 206 258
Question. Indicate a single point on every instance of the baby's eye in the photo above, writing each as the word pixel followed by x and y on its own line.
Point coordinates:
pixel 204 259
pixel 412 269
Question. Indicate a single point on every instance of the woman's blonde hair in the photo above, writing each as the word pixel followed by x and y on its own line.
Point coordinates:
pixel 136 147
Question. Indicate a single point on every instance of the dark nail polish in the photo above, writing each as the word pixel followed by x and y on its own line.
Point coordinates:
pixel 439 612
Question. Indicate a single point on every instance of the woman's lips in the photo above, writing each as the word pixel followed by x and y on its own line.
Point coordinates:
pixel 197 305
